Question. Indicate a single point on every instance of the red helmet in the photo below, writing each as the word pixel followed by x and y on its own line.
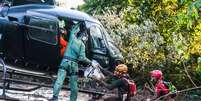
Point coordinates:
pixel 157 74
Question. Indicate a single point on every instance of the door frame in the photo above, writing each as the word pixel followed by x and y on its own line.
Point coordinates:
pixel 29 40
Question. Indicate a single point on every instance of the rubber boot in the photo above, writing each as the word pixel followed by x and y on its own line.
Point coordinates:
pixel 74 88
pixel 59 82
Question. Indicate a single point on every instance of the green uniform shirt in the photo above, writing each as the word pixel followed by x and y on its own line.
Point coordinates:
pixel 76 48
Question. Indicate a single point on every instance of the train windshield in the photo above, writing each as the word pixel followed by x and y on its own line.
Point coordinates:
pixel 22 2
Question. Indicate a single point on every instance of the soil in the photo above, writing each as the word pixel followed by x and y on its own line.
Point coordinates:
pixel 42 94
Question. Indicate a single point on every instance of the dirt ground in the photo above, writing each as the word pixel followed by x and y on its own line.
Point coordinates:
pixel 43 94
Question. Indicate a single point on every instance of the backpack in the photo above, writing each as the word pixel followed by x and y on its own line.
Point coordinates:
pixel 132 86
pixel 171 87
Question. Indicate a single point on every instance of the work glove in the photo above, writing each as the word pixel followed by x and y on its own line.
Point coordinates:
pixel 95 64
pixel 97 80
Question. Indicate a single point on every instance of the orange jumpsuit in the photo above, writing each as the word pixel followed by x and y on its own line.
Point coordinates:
pixel 63 44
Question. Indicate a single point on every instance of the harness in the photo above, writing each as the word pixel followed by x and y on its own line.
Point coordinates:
pixel 131 87
pixel 70 59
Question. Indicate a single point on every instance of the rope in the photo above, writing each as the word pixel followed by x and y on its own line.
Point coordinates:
pixel 184 90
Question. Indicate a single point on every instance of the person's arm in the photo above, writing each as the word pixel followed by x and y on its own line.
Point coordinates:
pixel 147 87
pixel 82 56
pixel 106 72
pixel 157 91
pixel 73 31
pixel 112 86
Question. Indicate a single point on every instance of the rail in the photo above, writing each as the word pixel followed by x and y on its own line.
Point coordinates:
pixel 9 70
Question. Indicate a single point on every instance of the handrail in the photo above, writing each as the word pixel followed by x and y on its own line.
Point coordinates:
pixel 4 76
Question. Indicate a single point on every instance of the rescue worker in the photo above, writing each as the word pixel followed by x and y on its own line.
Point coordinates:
pixel 122 84
pixel 75 52
pixel 63 42
pixel 160 88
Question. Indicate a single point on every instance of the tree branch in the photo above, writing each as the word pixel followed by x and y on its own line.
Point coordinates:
pixel 184 90
pixel 185 69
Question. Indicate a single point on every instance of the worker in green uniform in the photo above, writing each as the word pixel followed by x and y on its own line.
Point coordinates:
pixel 69 65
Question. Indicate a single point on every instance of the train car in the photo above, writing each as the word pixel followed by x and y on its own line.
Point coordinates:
pixel 30 32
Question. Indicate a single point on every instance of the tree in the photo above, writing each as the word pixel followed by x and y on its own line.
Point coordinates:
pixel 156 34
pixel 101 6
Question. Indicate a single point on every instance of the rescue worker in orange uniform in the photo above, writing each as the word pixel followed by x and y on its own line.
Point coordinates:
pixel 63 42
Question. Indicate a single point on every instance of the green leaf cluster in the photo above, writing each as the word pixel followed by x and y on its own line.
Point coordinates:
pixel 155 34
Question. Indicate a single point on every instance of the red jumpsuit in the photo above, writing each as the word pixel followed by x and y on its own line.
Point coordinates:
pixel 161 89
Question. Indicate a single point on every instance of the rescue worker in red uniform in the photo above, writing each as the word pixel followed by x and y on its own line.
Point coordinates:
pixel 160 88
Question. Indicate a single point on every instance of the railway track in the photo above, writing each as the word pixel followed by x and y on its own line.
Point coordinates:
pixel 39 80
pixel 42 79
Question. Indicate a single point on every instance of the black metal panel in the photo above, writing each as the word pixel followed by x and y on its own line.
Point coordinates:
pixel 19 44
pixel 23 2
pixel 41 51
pixel 20 11
pixel 14 40
pixel 3 23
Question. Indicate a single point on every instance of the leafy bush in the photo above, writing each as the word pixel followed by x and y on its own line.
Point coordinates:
pixel 154 34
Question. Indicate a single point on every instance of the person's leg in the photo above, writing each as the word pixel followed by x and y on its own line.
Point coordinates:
pixel 73 87
pixel 73 80
pixel 59 82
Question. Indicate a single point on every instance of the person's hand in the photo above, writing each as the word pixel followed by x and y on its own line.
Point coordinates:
pixel 95 79
pixel 146 86
pixel 94 63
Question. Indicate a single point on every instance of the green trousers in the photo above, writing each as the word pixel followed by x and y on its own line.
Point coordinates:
pixel 67 67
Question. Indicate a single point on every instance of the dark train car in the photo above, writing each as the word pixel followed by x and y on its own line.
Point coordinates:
pixel 30 35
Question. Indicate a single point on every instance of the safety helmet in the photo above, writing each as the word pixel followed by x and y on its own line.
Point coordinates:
pixel 157 74
pixel 121 69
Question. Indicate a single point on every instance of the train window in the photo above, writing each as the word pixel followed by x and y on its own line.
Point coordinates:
pixel 43 30
pixel 97 38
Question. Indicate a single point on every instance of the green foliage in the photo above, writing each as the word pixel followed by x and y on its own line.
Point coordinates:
pixel 198 69
pixel 101 6
pixel 155 34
